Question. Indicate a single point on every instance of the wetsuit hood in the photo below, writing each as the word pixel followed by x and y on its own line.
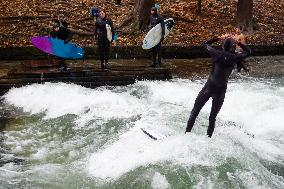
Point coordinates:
pixel 227 45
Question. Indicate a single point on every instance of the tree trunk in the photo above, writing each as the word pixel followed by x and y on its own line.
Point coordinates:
pixel 137 19
pixel 199 6
pixel 244 14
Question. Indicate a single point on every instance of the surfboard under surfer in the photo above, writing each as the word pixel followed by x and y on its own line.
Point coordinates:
pixel 224 62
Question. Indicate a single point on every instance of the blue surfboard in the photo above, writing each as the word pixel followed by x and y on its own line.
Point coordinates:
pixel 57 47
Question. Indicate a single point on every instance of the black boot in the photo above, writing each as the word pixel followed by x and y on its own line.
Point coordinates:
pixel 107 66
pixel 157 65
pixel 103 66
pixel 63 66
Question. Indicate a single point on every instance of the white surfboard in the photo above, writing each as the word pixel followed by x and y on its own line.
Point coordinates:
pixel 109 33
pixel 153 37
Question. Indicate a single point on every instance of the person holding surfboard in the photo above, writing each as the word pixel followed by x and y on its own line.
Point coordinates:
pixel 62 33
pixel 104 33
pixel 239 37
pixel 155 19
pixel 224 62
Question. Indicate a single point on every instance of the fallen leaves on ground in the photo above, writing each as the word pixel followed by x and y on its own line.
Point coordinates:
pixel 22 19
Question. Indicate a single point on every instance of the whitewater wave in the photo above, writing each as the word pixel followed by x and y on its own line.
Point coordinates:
pixel 249 131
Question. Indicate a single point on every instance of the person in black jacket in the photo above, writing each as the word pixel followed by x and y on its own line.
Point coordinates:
pixel 64 34
pixel 239 37
pixel 101 35
pixel 224 62
pixel 156 51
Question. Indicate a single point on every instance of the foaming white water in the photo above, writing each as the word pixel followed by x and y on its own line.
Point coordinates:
pixel 259 109
pixel 250 107
pixel 134 149
pixel 59 99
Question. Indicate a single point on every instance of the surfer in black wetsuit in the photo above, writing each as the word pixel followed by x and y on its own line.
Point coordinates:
pixel 224 62
pixel 64 34
pixel 154 20
pixel 101 35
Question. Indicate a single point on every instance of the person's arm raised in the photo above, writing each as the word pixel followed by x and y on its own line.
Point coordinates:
pixel 209 48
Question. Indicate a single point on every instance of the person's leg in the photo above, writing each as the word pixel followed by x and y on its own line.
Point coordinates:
pixel 62 64
pixel 200 101
pixel 159 53
pixel 216 107
pixel 101 52
pixel 154 55
pixel 106 52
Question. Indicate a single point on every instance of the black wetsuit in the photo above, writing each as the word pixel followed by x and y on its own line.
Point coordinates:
pixel 64 34
pixel 240 65
pixel 216 85
pixel 157 50
pixel 103 42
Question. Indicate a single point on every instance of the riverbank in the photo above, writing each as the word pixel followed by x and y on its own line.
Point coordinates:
pixel 260 66
pixel 130 52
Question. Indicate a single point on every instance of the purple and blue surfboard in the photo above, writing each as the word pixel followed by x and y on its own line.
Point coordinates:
pixel 57 47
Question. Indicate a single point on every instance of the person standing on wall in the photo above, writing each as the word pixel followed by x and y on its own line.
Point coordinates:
pixel 155 19
pixel 101 33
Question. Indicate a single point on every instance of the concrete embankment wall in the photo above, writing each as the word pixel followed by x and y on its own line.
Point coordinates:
pixel 129 52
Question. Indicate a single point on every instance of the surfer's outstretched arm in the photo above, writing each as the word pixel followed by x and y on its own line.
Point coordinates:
pixel 207 45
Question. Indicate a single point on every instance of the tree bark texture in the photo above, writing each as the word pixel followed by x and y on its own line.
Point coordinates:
pixel 199 6
pixel 244 14
pixel 138 18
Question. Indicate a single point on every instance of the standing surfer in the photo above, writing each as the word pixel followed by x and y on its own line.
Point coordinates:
pixel 101 33
pixel 216 85
pixel 61 32
pixel 156 50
